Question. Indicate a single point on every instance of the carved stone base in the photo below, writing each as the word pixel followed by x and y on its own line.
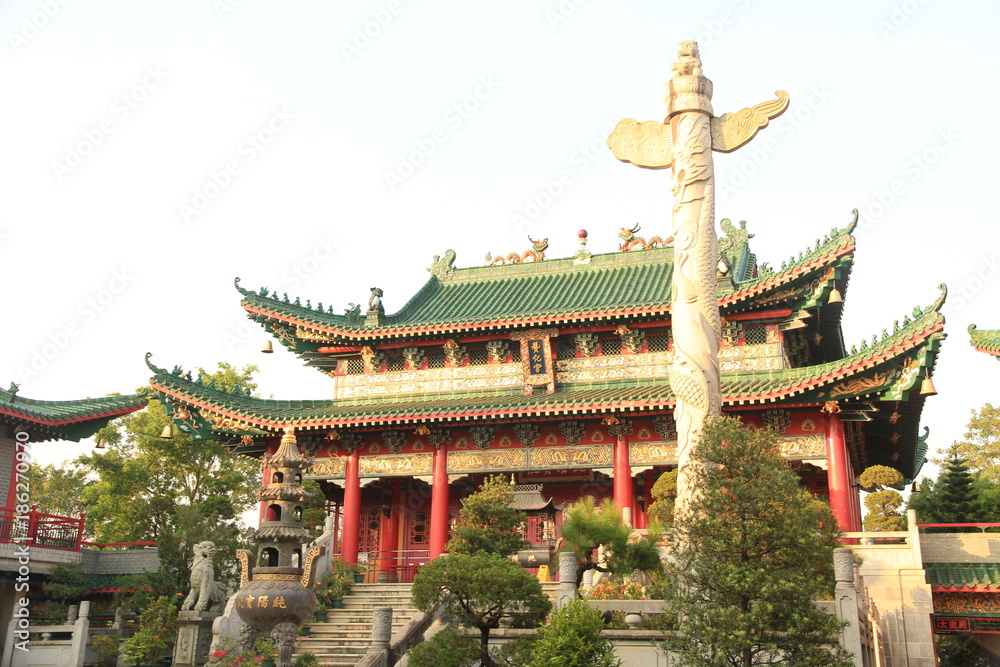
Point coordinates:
pixel 194 635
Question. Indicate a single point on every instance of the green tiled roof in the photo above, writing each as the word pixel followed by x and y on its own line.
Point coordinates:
pixel 987 341
pixel 963 576
pixel 64 420
pixel 889 369
pixel 621 284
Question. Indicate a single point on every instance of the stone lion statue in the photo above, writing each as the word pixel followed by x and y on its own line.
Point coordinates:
pixel 205 591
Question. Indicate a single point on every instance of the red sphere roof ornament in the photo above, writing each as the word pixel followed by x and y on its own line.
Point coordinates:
pixel 582 233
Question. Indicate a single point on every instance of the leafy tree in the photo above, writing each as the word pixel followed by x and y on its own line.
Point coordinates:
pixel 954 498
pixel 314 513
pixel 487 523
pixel 184 491
pixel 883 504
pixel 573 638
pixel 57 490
pixel 664 494
pixel 478 591
pixel 981 446
pixel 587 526
pixel 751 555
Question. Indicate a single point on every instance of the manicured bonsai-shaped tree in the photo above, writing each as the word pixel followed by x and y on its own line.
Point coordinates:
pixel 883 503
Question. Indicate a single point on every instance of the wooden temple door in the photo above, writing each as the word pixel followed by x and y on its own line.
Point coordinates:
pixel 371 517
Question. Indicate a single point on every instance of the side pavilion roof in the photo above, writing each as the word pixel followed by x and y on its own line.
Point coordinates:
pixel 63 420
pixel 987 341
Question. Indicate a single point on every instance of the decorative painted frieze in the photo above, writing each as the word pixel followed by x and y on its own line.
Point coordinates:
pixel 351 441
pixel 433 380
pixel 651 365
pixel 732 332
pixel 395 465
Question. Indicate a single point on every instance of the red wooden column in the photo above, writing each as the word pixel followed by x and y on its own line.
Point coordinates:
pixel 623 474
pixel 838 473
pixel 389 544
pixel 352 508
pixel 440 497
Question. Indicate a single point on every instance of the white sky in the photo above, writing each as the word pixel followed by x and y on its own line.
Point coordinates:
pixel 116 113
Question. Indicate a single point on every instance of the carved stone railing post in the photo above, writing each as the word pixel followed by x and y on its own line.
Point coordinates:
pixel 381 629
pixel 846 598
pixel 567 578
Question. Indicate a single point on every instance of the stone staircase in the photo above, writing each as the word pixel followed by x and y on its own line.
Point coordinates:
pixel 345 637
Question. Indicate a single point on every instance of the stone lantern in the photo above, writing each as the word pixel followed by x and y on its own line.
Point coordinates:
pixel 275 595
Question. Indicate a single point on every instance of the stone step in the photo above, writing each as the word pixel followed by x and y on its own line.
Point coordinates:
pixel 346 634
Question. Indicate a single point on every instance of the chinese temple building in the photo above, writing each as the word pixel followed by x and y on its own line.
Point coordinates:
pixel 553 372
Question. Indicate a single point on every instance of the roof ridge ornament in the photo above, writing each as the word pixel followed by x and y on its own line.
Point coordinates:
pixel 630 240
pixel 443 267
pixel 936 306
pixel 244 292
pixel 536 254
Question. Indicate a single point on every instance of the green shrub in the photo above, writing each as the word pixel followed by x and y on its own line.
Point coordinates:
pixel 573 639
pixel 447 648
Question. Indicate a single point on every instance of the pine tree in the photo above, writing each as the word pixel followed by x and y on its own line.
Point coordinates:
pixel 954 498
pixel 751 554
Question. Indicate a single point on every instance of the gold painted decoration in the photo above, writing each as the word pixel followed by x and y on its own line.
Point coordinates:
pixel 334 466
pixel 580 456
pixel 536 358
pixel 653 453
pixel 802 446
pixel 487 461
pixel 860 385
pixel 272 576
pixel 243 556
pixel 397 465
pixel 961 603
pixel 733 130
pixel 309 565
